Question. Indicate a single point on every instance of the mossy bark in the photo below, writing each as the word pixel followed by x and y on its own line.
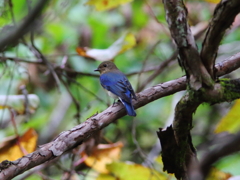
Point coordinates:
pixel 224 90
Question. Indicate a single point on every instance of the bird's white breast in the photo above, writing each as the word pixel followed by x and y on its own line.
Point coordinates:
pixel 111 94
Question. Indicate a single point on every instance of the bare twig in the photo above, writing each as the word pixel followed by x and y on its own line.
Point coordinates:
pixel 73 72
pixel 157 71
pixel 15 59
pixel 39 55
pixel 77 105
pixel 86 90
pixel 164 28
pixel 143 65
pixel 135 141
pixel 11 11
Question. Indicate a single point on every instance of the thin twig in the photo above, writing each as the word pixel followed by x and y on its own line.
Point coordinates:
pixel 77 105
pixel 85 89
pixel 10 4
pixel 139 150
pixel 166 31
pixel 45 61
pixel 157 71
pixel 144 63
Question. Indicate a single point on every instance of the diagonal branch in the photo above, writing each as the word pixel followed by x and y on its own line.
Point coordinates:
pixel 67 140
pixel 223 17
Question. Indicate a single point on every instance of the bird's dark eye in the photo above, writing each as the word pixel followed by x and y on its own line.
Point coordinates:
pixel 104 65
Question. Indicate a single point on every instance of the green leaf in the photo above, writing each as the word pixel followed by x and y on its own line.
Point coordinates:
pixel 230 122
pixel 132 171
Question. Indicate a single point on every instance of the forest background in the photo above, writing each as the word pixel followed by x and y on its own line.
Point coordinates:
pixel 51 50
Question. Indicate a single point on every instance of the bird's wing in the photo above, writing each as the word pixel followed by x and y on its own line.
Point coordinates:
pixel 118 84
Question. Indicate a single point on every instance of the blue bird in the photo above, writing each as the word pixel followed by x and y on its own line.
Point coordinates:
pixel 117 85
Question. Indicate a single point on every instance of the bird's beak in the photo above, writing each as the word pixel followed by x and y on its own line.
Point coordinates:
pixel 96 70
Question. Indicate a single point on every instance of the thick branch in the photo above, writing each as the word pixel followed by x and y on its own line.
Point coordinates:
pixel 176 15
pixel 224 16
pixel 69 139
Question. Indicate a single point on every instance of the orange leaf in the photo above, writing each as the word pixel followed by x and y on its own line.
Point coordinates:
pixel 104 154
pixel 10 150
pixel 82 52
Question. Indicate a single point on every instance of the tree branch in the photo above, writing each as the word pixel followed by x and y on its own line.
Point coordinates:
pixel 184 153
pixel 176 15
pixel 68 140
pixel 223 17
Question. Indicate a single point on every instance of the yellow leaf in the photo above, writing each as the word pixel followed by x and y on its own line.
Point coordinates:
pixel 104 154
pixel 217 174
pixel 230 122
pixel 213 1
pixel 127 171
pixel 102 5
pixel 124 43
pixel 17 102
pixel 10 150
pixel 105 177
pixel 128 43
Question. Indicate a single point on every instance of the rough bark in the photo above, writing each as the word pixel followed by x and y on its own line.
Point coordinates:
pixel 176 16
pixel 200 73
pixel 182 152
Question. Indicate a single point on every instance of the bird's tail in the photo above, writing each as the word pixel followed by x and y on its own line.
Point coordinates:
pixel 129 108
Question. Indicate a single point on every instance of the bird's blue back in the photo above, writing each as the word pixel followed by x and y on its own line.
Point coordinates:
pixel 117 83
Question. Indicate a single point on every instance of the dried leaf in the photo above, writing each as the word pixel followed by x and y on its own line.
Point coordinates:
pixel 10 150
pixel 104 154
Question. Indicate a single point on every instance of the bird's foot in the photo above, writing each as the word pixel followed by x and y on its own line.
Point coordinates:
pixel 115 103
